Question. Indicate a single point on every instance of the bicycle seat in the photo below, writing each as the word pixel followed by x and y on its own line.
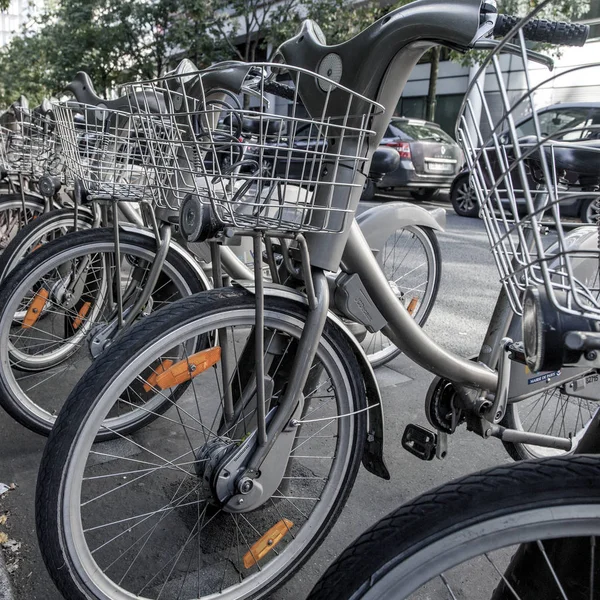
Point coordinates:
pixel 385 160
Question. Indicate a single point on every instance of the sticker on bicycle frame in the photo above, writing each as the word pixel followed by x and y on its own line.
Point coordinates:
pixel 543 377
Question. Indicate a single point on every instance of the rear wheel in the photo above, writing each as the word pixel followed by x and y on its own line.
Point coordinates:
pixel 464 199
pixel 412 262
pixel 425 194
pixel 142 517
pixel 590 211
pixel 550 413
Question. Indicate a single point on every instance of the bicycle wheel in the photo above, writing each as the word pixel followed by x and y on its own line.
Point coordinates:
pixel 57 309
pixel 552 413
pixel 412 262
pixel 13 217
pixel 139 517
pixel 39 231
pixel 457 540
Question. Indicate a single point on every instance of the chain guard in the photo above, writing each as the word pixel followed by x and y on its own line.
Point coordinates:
pixel 441 407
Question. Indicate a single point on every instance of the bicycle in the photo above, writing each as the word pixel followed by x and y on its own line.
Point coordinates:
pixel 271 416
pixel 26 147
pixel 45 349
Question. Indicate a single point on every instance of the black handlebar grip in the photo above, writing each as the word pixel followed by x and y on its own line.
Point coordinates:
pixel 542 30
pixel 280 89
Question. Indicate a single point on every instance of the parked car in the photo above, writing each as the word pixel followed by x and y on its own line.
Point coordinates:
pixel 429 158
pixel 553 119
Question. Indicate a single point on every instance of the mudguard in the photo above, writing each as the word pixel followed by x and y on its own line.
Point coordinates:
pixel 183 253
pixel 372 458
pixel 379 222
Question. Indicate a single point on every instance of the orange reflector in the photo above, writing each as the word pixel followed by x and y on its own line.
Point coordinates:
pixel 35 309
pixel 36 247
pixel 188 368
pixel 151 381
pixel 83 311
pixel 412 305
pixel 267 542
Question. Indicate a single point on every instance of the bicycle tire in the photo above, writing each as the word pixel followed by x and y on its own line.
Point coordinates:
pixel 410 282
pixel 478 511
pixel 63 553
pixel 28 236
pixel 18 401
pixel 14 202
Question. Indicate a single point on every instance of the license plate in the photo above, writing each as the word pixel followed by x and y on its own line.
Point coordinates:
pixel 444 167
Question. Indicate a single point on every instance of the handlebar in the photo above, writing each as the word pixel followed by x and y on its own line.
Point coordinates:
pixel 542 30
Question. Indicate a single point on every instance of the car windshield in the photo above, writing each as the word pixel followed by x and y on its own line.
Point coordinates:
pixel 412 131
pixel 553 121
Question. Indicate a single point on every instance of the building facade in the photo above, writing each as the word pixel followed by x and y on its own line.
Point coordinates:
pixel 18 14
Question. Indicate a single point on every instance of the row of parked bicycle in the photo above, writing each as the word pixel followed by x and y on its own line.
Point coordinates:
pixel 191 311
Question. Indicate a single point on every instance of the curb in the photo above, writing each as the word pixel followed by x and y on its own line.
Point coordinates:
pixel 6 591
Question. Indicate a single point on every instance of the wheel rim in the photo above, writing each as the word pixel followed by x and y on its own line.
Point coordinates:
pixel 76 487
pixel 48 232
pixel 553 413
pixel 465 197
pixel 27 371
pixel 433 571
pixel 11 219
pixel 592 212
pixel 408 261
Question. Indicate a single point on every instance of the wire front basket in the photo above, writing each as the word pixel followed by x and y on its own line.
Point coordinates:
pixel 27 143
pixel 531 167
pixel 104 150
pixel 265 154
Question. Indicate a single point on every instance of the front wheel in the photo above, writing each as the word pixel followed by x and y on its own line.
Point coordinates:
pixel 140 518
pixel 40 231
pixel 515 532
pixel 13 215
pixel 57 303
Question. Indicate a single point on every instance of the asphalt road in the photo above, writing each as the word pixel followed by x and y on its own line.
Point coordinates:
pixel 466 298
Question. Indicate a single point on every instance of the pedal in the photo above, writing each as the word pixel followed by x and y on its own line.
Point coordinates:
pixel 517 352
pixel 420 441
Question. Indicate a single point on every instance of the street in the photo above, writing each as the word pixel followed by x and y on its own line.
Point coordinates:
pixel 465 300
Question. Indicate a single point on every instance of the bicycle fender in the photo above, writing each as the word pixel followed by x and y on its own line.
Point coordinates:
pixel 372 458
pixel 379 222
pixel 180 250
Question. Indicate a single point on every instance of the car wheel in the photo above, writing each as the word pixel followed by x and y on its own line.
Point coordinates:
pixel 369 191
pixel 590 210
pixel 425 193
pixel 464 200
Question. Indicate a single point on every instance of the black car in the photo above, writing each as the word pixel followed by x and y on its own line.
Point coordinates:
pixel 552 120
pixel 429 158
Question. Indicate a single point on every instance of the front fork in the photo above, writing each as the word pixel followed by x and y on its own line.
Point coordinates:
pixel 249 481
